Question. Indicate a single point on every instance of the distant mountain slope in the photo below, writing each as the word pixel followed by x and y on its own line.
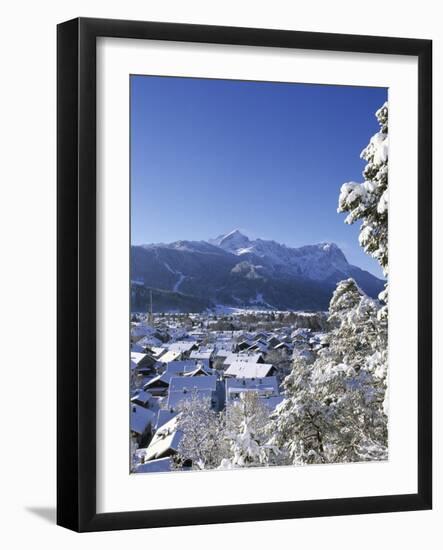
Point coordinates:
pixel 165 301
pixel 237 271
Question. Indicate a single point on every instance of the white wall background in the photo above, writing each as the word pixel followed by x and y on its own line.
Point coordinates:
pixel 27 287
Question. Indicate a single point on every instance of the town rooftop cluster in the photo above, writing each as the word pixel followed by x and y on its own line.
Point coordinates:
pixel 215 358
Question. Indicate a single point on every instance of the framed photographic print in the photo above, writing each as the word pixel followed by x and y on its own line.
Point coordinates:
pixel 244 274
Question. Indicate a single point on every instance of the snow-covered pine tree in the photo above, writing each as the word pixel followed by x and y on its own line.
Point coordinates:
pixel 333 407
pixel 295 424
pixel 368 201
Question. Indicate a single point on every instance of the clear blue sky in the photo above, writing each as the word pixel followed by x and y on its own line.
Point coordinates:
pixel 210 156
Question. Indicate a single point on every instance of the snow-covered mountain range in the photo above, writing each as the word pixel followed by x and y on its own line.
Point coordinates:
pixel 235 270
pixel 316 262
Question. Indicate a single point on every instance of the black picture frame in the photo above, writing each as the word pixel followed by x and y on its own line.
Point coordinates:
pixel 76 281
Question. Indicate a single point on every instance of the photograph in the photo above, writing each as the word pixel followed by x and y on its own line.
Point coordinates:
pixel 259 274
pixel 235 321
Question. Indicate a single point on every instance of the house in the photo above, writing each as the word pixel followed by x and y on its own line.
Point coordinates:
pixel 261 336
pixel 273 342
pixel 264 387
pixel 284 348
pixel 142 398
pixel 144 363
pixel 250 370
pixel 243 345
pixel 183 346
pixel 139 377
pixel 188 365
pixel 170 355
pixel 154 466
pixel 186 388
pixel 198 334
pixel 157 352
pixel 139 330
pixel 176 333
pixel 244 357
pixel 137 348
pixel 148 342
pixel 175 398
pixel 202 354
pixel 224 345
pixel 198 371
pixel 163 416
pixel 300 335
pixel 165 442
pixel 258 346
pixel 180 383
pixel 222 353
pixel 158 385
pixel 141 423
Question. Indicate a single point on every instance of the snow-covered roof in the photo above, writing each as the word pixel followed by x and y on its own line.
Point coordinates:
pixel 157 351
pixel 165 440
pixel 190 383
pixel 170 355
pixel 242 357
pixel 141 418
pixel 165 378
pixel 246 343
pixel 263 386
pixel 187 365
pixel 177 397
pixel 154 466
pixel 201 354
pixel 283 345
pixel 249 370
pixel 260 335
pixel 177 369
pixel 221 352
pixel 163 416
pixel 198 371
pixel 259 346
pixel 181 347
pixel 141 329
pixel 149 341
pixel 175 328
pixel 138 357
pixel 141 397
pixel 138 348
pixel 301 332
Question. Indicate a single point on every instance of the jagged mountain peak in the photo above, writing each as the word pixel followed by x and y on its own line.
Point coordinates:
pixel 231 241
pixel 316 261
pixel 234 234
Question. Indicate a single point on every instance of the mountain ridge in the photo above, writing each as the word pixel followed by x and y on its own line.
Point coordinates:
pixel 234 270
